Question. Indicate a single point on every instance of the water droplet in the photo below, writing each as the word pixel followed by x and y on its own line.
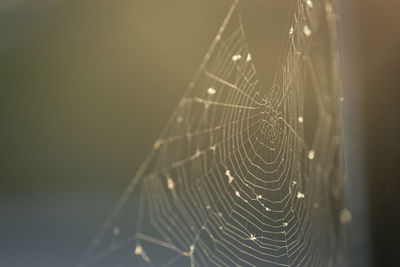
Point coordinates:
pixel 211 91
pixel 252 237
pixel 300 195
pixel 285 224
pixel 116 231
pixel 307 31
pixel 294 182
pixel 208 207
pixel 311 154
pixel 237 193
pixel 138 249
pixel 171 183
pixel 259 196
pixel 236 57
pixel 248 57
pixel 341 99
pixel 191 248
pixel 291 30
pixel 309 3
pixel 267 209
pixel 220 228
pixel 345 216
pixel 300 119
pixel 230 178
pixel 157 144
pixel 179 119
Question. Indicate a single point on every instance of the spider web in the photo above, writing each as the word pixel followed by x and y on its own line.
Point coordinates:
pixel 242 175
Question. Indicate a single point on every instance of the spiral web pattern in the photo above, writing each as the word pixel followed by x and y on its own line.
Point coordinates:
pixel 242 175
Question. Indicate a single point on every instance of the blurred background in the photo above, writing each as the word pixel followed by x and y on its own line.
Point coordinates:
pixel 87 85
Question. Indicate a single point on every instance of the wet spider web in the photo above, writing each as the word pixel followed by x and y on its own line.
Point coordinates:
pixel 242 175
